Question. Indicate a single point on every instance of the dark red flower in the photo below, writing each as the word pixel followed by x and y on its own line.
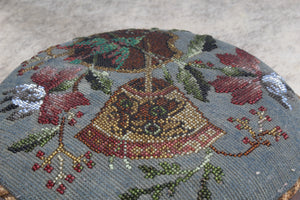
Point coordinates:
pixel 122 50
pixel 49 78
pixel 242 60
pixel 244 89
pixel 54 104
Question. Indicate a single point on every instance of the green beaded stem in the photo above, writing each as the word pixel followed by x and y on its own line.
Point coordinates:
pixel 174 169
pixel 209 169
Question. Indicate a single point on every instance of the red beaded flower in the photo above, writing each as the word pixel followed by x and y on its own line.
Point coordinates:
pixel 243 89
pixel 54 104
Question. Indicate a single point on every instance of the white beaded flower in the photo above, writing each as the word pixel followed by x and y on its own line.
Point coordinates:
pixel 28 98
pixel 276 87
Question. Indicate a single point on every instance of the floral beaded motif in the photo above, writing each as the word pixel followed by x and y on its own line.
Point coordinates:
pixel 245 80
pixel 149 117
pixel 164 112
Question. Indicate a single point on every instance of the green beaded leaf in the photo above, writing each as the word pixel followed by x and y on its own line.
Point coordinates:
pixel 99 81
pixel 33 140
pixel 194 82
pixel 199 44
pixel 182 176
pixel 228 70
pixel 64 85
pixel 167 75
pixel 168 169
pixel 234 71
pixel 156 190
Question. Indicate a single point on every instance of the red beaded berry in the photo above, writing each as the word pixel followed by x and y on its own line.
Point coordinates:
pixel 230 119
pixel 40 154
pixel 35 67
pixel 61 189
pixel 79 114
pixel 198 62
pixel 90 164
pixel 279 129
pixel 35 167
pixel 246 140
pixel 21 72
pixel 48 168
pixel 253 112
pixel 70 178
pixel 245 119
pixel 285 136
pixel 78 168
pixel 50 184
pixel 262 108
pixel 210 64
pixel 88 155
pixel 268 118
pixel 239 126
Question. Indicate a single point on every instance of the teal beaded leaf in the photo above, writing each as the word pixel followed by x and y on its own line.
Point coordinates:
pixel 116 48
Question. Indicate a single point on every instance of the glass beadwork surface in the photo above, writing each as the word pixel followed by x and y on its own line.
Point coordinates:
pixel 148 114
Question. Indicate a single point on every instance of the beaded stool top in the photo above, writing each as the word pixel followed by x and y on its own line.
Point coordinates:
pixel 148 114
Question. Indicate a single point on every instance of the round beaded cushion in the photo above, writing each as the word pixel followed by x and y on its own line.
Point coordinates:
pixel 148 114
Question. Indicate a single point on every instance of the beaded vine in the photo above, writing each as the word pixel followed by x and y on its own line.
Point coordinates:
pixel 59 152
pixel 258 138
pixel 183 176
